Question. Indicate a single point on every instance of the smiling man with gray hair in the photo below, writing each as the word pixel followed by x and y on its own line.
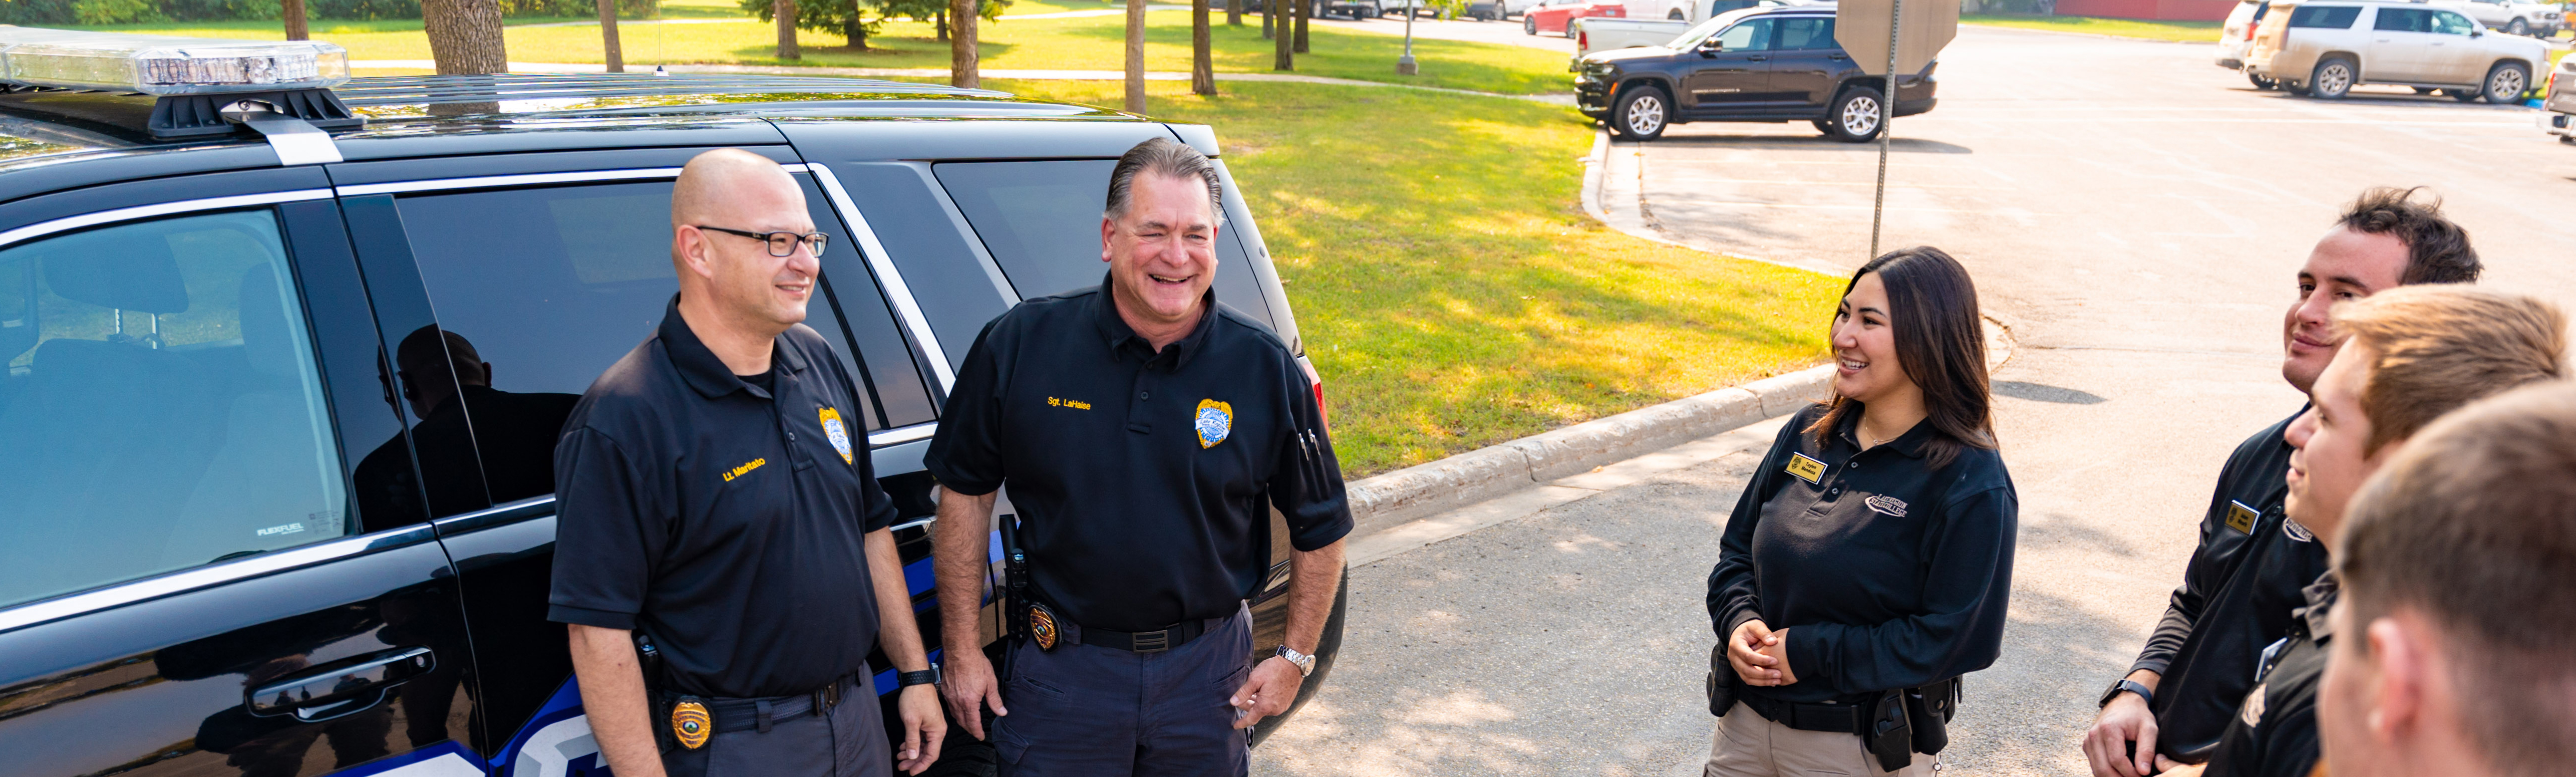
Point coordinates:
pixel 1144 431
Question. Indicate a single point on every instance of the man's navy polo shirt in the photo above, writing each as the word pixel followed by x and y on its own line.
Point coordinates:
pixel 724 520
pixel 1141 478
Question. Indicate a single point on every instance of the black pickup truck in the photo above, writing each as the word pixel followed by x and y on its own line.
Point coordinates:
pixel 1767 64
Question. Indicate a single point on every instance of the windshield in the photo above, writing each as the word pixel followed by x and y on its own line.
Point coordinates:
pixel 1701 32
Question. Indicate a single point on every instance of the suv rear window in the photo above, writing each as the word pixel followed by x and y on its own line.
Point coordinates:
pixel 2331 17
pixel 1041 221
pixel 160 408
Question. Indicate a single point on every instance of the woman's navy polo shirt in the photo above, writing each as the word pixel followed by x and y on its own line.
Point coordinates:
pixel 725 520
pixel 1886 572
pixel 1142 478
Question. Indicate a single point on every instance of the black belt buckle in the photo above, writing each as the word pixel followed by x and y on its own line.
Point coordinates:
pixel 1153 641
pixel 827 698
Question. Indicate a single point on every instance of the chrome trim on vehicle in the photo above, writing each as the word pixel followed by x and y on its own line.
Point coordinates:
pixel 496 515
pixel 491 181
pixel 208 576
pixel 68 223
pixel 905 306
pixel 903 434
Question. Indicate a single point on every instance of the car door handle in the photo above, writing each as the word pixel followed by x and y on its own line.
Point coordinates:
pixel 1838 57
pixel 1757 59
pixel 340 687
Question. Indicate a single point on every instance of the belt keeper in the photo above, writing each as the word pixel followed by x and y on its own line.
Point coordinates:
pixel 761 707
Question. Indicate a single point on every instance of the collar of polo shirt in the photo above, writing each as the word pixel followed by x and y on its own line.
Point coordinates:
pixel 699 366
pixel 1910 443
pixel 1116 331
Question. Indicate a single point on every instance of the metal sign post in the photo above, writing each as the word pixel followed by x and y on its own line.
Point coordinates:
pixel 1404 65
pixel 1886 124
pixel 1912 36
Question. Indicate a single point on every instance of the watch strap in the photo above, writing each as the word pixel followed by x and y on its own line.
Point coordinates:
pixel 925 677
pixel 2126 685
pixel 1305 663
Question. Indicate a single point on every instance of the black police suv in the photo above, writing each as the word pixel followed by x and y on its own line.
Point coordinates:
pixel 1766 64
pixel 285 370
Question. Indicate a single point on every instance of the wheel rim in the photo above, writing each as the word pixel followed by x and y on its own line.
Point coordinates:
pixel 2505 85
pixel 2334 79
pixel 1860 116
pixel 1645 114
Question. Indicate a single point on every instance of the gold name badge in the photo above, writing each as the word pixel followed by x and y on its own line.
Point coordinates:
pixel 1806 469
pixel 690 723
pixel 2240 517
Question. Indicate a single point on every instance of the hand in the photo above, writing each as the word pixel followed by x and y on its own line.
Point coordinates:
pixel 1745 651
pixel 2125 720
pixel 922 728
pixel 966 678
pixel 2171 768
pixel 1777 649
pixel 1272 686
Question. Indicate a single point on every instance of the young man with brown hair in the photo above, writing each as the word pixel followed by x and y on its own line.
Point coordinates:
pixel 2245 575
pixel 2456 610
pixel 2412 355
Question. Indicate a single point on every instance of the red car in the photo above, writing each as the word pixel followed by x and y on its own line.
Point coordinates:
pixel 1554 15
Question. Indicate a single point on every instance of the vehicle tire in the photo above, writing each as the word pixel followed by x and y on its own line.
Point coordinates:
pixel 2506 82
pixel 2332 79
pixel 1641 113
pixel 2517 27
pixel 1675 16
pixel 1529 26
pixel 1822 126
pixel 1856 115
pixel 2261 82
pixel 2426 90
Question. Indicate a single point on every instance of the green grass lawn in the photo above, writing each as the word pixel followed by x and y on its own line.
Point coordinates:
pixel 2126 28
pixel 1091 43
pixel 1447 283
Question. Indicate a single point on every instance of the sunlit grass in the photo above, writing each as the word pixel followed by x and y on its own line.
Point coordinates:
pixel 1447 283
pixel 2126 28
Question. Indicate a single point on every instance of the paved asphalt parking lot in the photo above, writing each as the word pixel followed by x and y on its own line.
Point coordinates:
pixel 2133 213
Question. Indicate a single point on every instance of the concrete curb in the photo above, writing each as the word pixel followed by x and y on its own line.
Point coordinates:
pixel 1394 498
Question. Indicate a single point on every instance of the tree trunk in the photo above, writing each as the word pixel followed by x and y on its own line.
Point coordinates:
pixel 1136 56
pixel 785 12
pixel 1202 68
pixel 942 19
pixel 608 36
pixel 465 36
pixel 1281 38
pixel 1305 8
pixel 855 29
pixel 963 70
pixel 293 12
pixel 1234 13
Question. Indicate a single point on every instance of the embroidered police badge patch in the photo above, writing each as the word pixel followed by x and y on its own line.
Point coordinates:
pixel 1213 421
pixel 838 433
pixel 689 722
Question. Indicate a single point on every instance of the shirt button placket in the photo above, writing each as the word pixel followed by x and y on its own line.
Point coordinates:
pixel 1137 419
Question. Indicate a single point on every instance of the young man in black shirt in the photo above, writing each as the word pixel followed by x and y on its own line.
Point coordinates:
pixel 2246 575
pixel 2412 355
pixel 716 498
pixel 2456 614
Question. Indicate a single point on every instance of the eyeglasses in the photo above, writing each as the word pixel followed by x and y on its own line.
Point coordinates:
pixel 780 243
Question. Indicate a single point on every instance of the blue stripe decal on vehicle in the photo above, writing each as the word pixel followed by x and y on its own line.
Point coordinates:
pixel 556 741
pixel 445 759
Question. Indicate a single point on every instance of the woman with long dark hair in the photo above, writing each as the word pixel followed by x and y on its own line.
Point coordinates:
pixel 1867 565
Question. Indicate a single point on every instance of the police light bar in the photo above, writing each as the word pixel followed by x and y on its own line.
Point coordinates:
pixel 164 65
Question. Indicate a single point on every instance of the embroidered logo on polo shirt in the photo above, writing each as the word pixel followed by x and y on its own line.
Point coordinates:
pixel 2240 517
pixel 2297 532
pixel 1214 420
pixel 1886 504
pixel 838 433
pixel 1806 469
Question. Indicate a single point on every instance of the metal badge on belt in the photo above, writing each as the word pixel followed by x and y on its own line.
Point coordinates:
pixel 1042 628
pixel 690 723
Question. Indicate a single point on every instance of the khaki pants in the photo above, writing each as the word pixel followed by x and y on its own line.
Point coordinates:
pixel 1747 745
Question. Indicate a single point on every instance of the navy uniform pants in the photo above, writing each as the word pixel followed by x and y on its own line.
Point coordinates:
pixel 847 741
pixel 1091 711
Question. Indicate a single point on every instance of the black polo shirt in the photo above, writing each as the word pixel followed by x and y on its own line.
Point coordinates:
pixel 1142 479
pixel 1886 572
pixel 2237 595
pixel 724 520
pixel 2274 732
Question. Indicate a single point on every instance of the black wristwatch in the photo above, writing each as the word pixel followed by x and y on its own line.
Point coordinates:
pixel 926 677
pixel 2126 685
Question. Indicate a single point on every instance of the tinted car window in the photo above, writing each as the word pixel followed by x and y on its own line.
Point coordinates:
pixel 2331 17
pixel 1041 221
pixel 161 408
pixel 1807 32
pixel 2449 23
pixel 2401 20
pixel 1750 35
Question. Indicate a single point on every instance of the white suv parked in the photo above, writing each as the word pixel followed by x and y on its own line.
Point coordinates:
pixel 2519 17
pixel 2329 47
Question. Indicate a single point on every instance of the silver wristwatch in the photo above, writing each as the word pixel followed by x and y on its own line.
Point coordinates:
pixel 1305 663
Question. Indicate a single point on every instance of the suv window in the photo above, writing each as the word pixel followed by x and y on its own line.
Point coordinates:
pixel 161 408
pixel 2403 20
pixel 2450 23
pixel 2328 17
pixel 1041 221
pixel 1806 33
pixel 1749 35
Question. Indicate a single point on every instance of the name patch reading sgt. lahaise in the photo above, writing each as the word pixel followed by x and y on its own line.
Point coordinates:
pixel 1806 469
pixel 2240 517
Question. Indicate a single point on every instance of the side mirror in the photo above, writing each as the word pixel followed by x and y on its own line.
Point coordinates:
pixel 2477 33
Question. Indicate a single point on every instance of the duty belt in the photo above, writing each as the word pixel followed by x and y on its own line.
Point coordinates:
pixel 1837 718
pixel 1156 641
pixel 759 714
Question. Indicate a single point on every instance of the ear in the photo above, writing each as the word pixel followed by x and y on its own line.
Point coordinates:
pixel 2405 673
pixel 693 248
pixel 1108 232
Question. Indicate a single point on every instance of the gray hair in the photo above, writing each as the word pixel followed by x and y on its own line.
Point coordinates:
pixel 1163 157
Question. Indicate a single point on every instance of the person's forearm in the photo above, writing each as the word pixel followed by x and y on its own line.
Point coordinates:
pixel 2146 678
pixel 962 547
pixel 897 634
pixel 1314 577
pixel 612 694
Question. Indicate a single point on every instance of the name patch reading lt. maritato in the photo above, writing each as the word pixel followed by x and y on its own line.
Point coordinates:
pixel 1806 469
